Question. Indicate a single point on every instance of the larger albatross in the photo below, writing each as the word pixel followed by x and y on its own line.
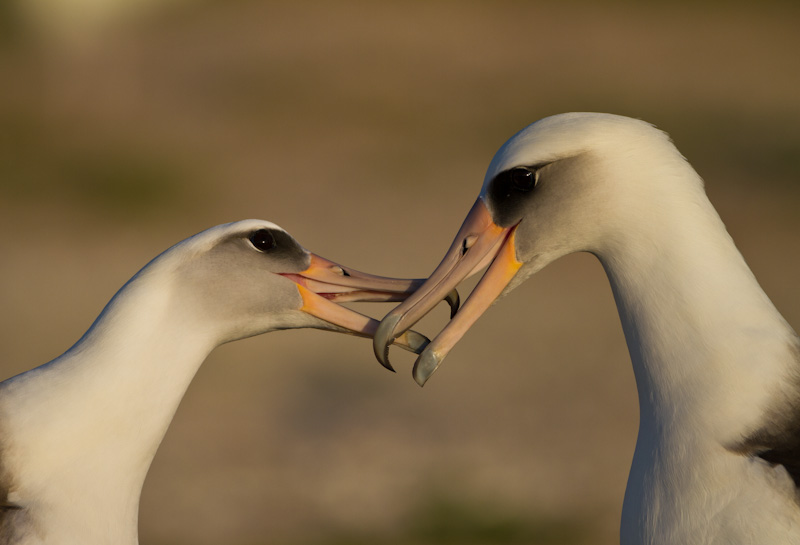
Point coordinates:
pixel 717 368
pixel 77 434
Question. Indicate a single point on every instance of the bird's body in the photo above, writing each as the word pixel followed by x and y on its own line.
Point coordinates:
pixel 78 434
pixel 715 364
pixel 717 367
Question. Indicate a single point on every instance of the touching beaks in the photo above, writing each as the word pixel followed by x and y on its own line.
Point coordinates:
pixel 324 284
pixel 479 242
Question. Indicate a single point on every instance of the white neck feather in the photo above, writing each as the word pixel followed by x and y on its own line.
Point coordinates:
pixel 80 432
pixel 711 354
pixel 705 340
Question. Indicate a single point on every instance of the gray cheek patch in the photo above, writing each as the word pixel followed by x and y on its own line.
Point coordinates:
pixel 287 255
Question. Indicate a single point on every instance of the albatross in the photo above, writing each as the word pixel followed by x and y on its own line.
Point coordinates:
pixel 78 434
pixel 717 368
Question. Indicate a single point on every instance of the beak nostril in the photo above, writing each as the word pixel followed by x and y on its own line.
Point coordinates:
pixel 468 242
pixel 339 270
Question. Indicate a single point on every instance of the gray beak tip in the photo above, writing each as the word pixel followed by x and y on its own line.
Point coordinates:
pixel 425 366
pixel 385 362
pixel 454 300
pixel 417 341
pixel 384 336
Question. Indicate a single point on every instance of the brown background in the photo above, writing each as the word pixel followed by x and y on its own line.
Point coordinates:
pixel 365 130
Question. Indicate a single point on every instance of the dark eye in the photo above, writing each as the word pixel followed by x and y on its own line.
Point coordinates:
pixel 263 240
pixel 523 179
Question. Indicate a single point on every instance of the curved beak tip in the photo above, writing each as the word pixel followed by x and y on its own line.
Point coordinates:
pixel 383 337
pixel 425 366
pixel 417 341
pixel 384 361
pixel 454 300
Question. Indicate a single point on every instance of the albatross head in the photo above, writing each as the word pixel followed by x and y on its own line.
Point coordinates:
pixel 250 277
pixel 567 183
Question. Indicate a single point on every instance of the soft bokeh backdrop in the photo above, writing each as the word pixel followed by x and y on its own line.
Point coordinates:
pixel 365 129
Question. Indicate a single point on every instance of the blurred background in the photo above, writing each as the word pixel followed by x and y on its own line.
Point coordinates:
pixel 365 129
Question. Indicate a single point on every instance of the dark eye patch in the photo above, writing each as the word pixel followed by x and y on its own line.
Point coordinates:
pixel 263 240
pixel 522 179
pixel 283 251
pixel 509 191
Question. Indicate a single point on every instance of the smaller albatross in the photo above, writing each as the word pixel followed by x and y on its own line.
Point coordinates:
pixel 717 459
pixel 78 434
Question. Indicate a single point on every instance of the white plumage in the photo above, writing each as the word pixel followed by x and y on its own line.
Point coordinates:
pixel 717 459
pixel 78 434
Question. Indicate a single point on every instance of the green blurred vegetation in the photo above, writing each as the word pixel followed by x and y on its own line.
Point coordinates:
pixel 10 24
pixel 121 181
pixel 442 520
pixel 114 181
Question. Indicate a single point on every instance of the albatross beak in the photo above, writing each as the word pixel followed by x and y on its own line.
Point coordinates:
pixel 479 242
pixel 324 284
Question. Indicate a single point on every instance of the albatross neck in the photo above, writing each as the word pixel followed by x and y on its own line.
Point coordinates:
pixel 81 431
pixel 707 344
